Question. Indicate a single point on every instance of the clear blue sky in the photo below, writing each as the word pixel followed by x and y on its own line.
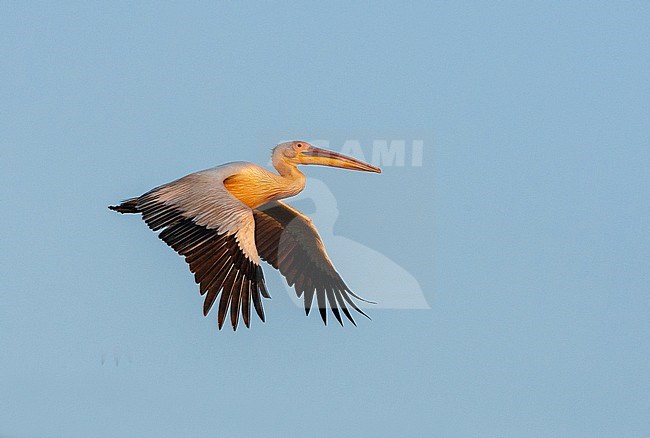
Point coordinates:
pixel 526 226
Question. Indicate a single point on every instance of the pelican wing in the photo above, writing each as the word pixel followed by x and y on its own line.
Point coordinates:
pixel 288 240
pixel 214 231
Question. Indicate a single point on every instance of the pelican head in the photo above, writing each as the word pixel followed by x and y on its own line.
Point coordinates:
pixel 301 152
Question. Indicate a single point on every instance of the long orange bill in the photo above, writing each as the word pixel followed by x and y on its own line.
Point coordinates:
pixel 334 159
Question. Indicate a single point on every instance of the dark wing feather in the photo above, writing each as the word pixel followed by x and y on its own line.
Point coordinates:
pixel 217 260
pixel 289 242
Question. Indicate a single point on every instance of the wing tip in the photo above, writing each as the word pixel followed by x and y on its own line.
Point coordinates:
pixel 128 206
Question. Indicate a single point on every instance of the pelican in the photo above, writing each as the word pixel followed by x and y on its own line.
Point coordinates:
pixel 224 220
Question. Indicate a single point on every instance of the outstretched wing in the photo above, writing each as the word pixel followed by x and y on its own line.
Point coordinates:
pixel 215 233
pixel 288 240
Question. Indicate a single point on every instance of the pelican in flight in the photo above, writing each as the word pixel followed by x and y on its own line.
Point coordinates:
pixel 225 219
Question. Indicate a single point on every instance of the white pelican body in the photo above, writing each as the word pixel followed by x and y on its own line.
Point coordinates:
pixel 224 219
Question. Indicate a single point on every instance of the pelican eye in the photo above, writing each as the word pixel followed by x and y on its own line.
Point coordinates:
pixel 299 145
